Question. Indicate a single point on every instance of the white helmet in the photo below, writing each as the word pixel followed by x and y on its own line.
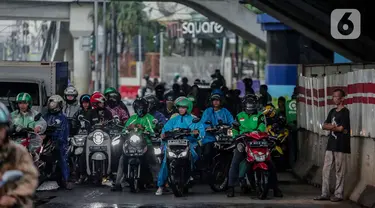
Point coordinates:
pixel 71 91
pixel 55 103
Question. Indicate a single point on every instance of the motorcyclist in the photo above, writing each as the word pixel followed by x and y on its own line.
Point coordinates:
pixel 152 109
pixel 170 108
pixel 56 117
pixel 250 120
pixel 213 114
pixel 160 90
pixel 184 120
pixel 196 111
pixel 115 105
pixel 23 117
pixel 176 90
pixel 143 122
pixel 185 87
pixel 71 104
pixel 85 111
pixel 15 157
pixel 99 113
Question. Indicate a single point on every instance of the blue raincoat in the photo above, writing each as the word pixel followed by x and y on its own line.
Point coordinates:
pixel 160 117
pixel 185 122
pixel 61 137
pixel 214 116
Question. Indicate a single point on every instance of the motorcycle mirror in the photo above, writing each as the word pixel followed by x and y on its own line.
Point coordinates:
pixel 196 120
pixel 37 117
pixel 236 124
pixel 208 122
pixel 80 118
pixel 11 176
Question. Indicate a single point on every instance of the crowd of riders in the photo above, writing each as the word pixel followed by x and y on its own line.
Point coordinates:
pixel 174 108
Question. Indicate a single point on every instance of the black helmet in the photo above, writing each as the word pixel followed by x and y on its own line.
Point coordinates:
pixel 250 104
pixel 4 115
pixel 84 98
pixel 169 96
pixel 153 101
pixel 140 106
pixel 216 84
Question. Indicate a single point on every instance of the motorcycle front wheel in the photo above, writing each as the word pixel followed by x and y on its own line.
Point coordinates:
pixel 133 180
pixel 177 182
pixel 219 177
pixel 262 184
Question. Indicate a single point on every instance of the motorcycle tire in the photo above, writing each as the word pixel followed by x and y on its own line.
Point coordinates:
pixel 178 186
pixel 262 185
pixel 133 181
pixel 219 170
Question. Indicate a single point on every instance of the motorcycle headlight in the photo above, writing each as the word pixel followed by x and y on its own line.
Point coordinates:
pixel 116 141
pixel 79 140
pixel 230 133
pixel 98 138
pixel 157 150
pixel 260 157
pixel 135 139
pixel 171 154
pixel 182 154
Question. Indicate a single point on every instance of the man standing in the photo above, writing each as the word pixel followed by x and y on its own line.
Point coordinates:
pixel 338 123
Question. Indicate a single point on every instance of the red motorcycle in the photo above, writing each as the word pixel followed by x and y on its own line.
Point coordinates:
pixel 257 159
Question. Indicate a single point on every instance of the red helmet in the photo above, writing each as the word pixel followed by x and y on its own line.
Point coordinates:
pixel 97 98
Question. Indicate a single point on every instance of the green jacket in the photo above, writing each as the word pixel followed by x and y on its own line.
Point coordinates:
pixel 249 123
pixel 145 121
pixel 27 120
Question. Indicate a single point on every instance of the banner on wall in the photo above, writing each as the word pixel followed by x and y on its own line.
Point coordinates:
pixel 315 100
pixel 291 111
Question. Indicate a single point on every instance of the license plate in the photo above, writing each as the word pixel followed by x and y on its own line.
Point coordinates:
pixel 178 142
pixel 258 143
pixel 98 148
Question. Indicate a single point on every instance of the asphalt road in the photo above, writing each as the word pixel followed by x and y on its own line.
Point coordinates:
pixel 296 195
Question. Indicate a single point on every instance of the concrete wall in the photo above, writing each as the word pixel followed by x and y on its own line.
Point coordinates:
pixel 360 169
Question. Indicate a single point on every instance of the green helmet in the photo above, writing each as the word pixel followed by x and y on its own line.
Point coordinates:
pixel 184 102
pixel 109 90
pixel 24 97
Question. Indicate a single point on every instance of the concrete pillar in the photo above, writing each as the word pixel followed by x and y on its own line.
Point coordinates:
pixel 81 26
pixel 68 56
pixel 282 55
pixel 82 70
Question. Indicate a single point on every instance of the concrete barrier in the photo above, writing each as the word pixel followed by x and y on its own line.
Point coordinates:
pixel 360 168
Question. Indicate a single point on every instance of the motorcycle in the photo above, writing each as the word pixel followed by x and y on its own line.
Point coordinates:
pixel 258 155
pixel 158 151
pixel 179 160
pixel 115 132
pixel 47 164
pixel 77 145
pixel 278 136
pixel 98 151
pixel 26 136
pixel 219 170
pixel 134 148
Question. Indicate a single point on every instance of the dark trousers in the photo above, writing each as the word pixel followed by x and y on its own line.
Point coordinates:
pixel 209 152
pixel 234 170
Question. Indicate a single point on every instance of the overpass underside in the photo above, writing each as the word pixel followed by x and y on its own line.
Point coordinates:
pixel 312 18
